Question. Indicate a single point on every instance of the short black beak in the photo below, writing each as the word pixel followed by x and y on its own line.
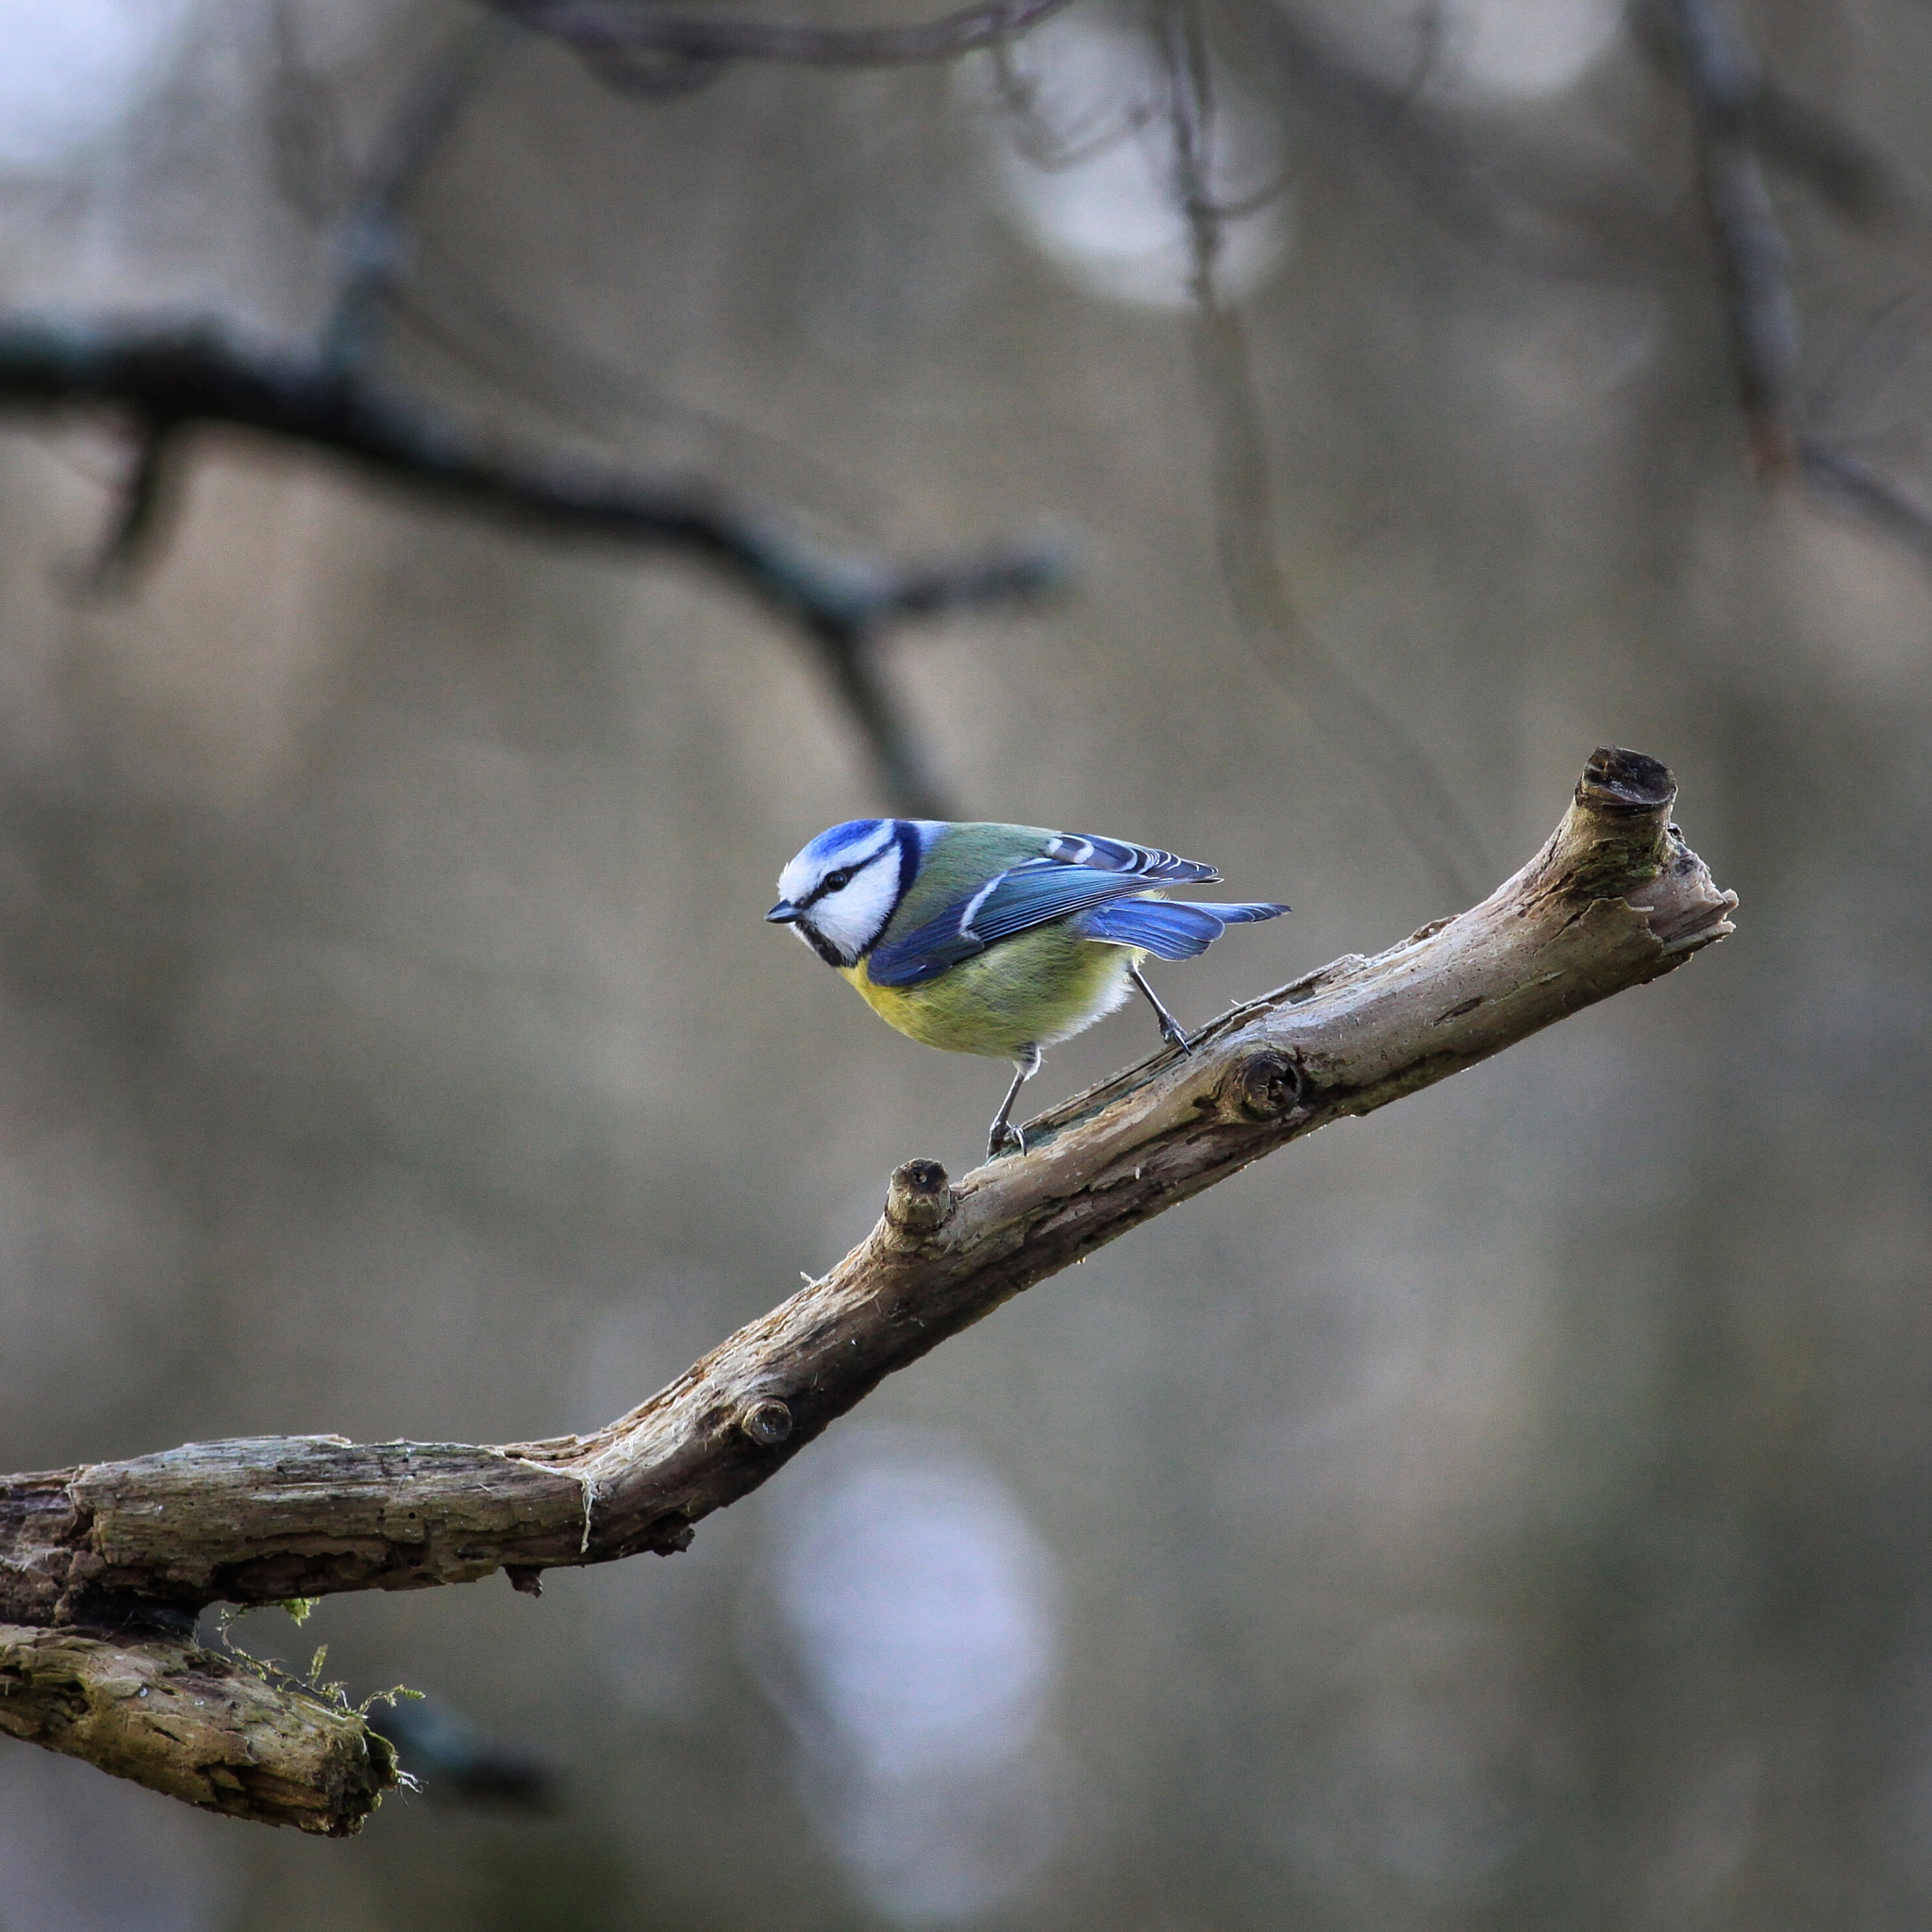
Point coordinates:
pixel 784 913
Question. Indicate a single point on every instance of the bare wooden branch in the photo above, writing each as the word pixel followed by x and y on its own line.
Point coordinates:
pixel 1613 899
pixel 167 378
pixel 195 1725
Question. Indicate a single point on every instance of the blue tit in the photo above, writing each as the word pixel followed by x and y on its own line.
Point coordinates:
pixel 996 940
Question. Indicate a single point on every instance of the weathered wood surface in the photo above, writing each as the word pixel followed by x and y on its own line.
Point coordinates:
pixel 1613 899
pixel 198 1726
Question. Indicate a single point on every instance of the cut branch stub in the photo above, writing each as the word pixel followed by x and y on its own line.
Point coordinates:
pixel 1614 898
pixel 918 1199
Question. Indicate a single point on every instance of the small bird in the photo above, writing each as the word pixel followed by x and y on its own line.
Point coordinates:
pixel 996 940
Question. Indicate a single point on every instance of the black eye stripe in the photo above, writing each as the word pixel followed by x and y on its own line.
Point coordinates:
pixel 838 881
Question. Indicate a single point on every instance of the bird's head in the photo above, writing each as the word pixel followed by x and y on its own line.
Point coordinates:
pixel 840 891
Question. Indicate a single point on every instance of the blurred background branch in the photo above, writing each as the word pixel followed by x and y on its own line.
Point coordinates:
pixel 168 379
pixel 1743 120
pixel 1750 257
pixel 638 44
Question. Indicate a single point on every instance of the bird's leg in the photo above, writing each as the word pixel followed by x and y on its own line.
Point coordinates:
pixel 1171 1029
pixel 1004 1134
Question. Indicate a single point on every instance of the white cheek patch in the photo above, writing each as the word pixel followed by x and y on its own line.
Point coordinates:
pixel 854 918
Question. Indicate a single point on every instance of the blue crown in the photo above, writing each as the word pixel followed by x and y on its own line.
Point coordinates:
pixel 830 844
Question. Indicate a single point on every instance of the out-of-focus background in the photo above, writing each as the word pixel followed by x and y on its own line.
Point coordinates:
pixel 1514 1509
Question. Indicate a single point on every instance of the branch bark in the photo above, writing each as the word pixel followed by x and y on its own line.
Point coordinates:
pixel 1613 899
pixel 195 1724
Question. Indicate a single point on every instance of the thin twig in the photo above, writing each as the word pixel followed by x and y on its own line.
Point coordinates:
pixel 1257 585
pixel 628 39
pixel 146 503
pixel 1053 150
pixel 462 317
pixel 134 1549
pixel 374 244
pixel 1849 173
pixel 1721 81
pixel 1738 117
pixel 1842 480
pixel 1539 210
pixel 1853 176
pixel 305 147
pixel 167 378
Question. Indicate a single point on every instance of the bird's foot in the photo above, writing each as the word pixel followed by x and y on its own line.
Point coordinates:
pixel 1005 1139
pixel 1177 1036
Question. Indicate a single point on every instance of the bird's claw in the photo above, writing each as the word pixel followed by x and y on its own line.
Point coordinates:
pixel 1177 1036
pixel 1006 1139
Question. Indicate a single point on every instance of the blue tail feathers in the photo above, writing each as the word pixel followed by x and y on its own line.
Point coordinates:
pixel 1168 929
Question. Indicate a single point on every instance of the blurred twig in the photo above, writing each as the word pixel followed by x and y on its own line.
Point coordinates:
pixel 1535 209
pixel 638 40
pixel 1852 175
pixel 1739 119
pixel 1848 483
pixel 375 246
pixel 460 316
pixel 1721 82
pixel 306 145
pixel 1613 899
pixel 1257 585
pixel 166 378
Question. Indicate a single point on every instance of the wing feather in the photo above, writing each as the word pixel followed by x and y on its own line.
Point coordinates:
pixel 1168 929
pixel 1147 863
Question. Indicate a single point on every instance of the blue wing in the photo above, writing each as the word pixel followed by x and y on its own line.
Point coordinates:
pixel 1035 894
pixel 1148 865
pixel 1170 928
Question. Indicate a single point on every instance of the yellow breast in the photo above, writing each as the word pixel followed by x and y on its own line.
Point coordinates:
pixel 1037 989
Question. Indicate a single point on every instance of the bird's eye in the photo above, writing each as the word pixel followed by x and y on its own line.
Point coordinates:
pixel 838 881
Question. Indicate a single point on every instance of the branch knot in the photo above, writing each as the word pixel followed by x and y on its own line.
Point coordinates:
pixel 919 1198
pixel 1263 1086
pixel 766 1422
